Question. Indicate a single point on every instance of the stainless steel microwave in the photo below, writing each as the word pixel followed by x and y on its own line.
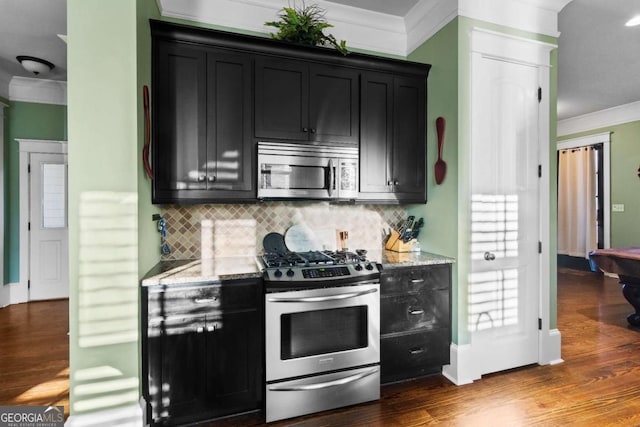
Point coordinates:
pixel 302 171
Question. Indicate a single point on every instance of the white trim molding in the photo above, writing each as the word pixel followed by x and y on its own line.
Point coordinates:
pixel 536 16
pixel 461 369
pixel 603 138
pixel 40 91
pixel 373 31
pixel 550 348
pixel 127 416
pixel 600 119
pixel 20 291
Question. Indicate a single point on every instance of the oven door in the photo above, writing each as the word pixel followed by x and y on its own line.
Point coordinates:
pixel 321 330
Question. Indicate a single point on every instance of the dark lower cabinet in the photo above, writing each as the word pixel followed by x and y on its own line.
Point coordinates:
pixel 202 356
pixel 415 325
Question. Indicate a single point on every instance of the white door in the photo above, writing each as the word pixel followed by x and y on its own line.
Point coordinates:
pixel 504 278
pixel 48 236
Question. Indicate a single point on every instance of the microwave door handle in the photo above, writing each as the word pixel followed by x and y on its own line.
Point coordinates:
pixel 332 178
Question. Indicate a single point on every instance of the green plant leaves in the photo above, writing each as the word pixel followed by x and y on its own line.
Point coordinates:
pixel 305 25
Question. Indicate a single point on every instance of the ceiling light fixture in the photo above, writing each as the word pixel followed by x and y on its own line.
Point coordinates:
pixel 633 21
pixel 35 65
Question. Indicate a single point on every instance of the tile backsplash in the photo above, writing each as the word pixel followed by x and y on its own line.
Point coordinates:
pixel 238 229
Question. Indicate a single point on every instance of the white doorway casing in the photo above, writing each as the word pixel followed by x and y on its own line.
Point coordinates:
pixel 4 290
pixel 19 292
pixel 465 366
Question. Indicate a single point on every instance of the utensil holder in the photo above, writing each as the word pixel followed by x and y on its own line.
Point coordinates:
pixel 394 243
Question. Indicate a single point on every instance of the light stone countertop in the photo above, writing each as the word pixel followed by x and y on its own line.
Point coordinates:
pixel 249 267
pixel 207 270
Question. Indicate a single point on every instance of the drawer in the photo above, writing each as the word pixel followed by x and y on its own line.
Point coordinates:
pixel 415 279
pixel 202 299
pixel 414 355
pixel 410 312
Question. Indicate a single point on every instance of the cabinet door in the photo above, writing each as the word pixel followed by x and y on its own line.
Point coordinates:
pixel 376 133
pixel 234 375
pixel 333 104
pixel 180 103
pixel 229 143
pixel 409 139
pixel 184 360
pixel 281 99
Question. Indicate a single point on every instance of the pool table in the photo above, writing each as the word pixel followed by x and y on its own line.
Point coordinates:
pixel 625 262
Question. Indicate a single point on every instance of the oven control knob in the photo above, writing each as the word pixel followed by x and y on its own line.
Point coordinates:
pixel 358 267
pixel 369 266
pixel 290 273
pixel 277 273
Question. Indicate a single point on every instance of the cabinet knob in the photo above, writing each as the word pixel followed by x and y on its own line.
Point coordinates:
pixel 396 182
pixel 211 328
pixel 305 129
pixel 211 178
pixel 201 178
pixel 389 183
pixel 313 130
pixel 199 329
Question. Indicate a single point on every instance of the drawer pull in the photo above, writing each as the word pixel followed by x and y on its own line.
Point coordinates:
pixel 415 281
pixel 205 300
pixel 211 328
pixel 416 350
pixel 416 312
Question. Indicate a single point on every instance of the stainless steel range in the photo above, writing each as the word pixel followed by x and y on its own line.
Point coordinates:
pixel 322 331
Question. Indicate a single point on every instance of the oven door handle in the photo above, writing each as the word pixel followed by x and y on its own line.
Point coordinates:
pixel 327 384
pixel 324 298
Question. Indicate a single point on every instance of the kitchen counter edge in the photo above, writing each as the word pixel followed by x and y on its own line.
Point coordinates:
pixel 390 259
pixel 196 271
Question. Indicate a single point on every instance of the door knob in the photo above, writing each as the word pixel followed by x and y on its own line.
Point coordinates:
pixel 489 256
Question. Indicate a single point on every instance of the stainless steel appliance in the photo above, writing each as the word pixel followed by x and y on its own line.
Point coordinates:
pixel 322 329
pixel 302 171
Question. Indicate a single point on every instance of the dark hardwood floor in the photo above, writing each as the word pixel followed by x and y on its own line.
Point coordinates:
pixel 34 354
pixel 597 385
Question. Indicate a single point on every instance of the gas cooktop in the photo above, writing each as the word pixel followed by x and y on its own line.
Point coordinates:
pixel 329 267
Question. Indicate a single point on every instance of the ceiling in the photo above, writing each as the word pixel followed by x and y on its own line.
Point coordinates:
pixel 597 60
pixel 31 27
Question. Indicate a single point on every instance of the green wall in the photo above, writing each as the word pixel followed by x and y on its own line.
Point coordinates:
pixel 625 183
pixel 440 233
pixel 25 120
pixel 103 204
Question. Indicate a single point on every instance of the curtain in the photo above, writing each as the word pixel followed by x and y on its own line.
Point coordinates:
pixel 577 207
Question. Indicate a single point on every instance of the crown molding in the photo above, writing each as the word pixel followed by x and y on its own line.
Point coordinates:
pixel 536 16
pixel 38 90
pixel 600 119
pixel 373 31
pixel 425 19
pixel 362 29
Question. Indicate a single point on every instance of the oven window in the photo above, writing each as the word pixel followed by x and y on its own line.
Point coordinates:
pixel 311 333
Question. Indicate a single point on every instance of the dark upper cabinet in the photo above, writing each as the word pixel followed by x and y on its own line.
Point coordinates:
pixel 215 94
pixel 305 101
pixel 393 138
pixel 203 149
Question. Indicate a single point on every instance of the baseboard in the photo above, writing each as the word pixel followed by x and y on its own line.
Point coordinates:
pixel 4 296
pixel 128 416
pixel 550 348
pixel 461 369
pixel 13 293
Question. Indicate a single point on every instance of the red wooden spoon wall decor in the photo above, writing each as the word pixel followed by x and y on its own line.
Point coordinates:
pixel 440 167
